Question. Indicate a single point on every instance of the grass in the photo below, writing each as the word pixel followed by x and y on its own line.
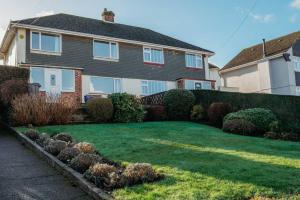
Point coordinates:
pixel 200 162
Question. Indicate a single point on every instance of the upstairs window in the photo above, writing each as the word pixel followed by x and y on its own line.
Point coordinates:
pixel 153 55
pixel 194 61
pixel 106 50
pixel 46 42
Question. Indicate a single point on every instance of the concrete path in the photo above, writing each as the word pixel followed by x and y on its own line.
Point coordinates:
pixel 24 176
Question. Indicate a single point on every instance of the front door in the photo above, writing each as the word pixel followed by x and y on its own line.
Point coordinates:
pixel 53 81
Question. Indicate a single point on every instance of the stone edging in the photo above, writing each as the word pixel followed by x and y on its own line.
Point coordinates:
pixel 75 177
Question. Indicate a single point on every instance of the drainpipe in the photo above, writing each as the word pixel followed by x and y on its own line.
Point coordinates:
pixel 264 48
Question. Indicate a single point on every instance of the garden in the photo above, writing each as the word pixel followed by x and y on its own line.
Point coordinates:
pixel 174 145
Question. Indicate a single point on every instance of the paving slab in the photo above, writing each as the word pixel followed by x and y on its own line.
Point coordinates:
pixel 24 176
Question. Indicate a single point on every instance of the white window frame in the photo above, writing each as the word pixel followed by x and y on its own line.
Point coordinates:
pixel 100 92
pixel 145 83
pixel 296 62
pixel 74 82
pixel 155 48
pixel 196 56
pixel 110 56
pixel 39 50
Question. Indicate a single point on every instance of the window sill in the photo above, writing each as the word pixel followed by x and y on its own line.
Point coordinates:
pixel 68 91
pixel 193 68
pixel 154 64
pixel 45 52
pixel 106 59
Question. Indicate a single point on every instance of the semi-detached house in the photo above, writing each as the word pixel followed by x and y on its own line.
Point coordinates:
pixel 75 56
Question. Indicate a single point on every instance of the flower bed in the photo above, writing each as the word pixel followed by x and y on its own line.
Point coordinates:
pixel 86 160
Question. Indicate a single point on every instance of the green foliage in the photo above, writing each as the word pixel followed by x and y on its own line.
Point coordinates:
pixel 156 113
pixel 217 111
pixel 240 127
pixel 260 117
pixel 197 113
pixel 127 108
pixel 178 104
pixel 100 109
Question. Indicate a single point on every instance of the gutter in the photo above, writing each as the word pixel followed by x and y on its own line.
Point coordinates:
pixel 15 25
pixel 251 63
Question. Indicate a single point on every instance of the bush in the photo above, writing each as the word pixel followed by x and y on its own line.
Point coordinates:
pixel 178 104
pixel 139 173
pixel 83 161
pixel 32 134
pixel 11 89
pixel 240 126
pixel 85 147
pixel 68 154
pixel 127 108
pixel 63 137
pixel 197 113
pixel 9 72
pixel 261 118
pixel 100 109
pixel 282 136
pixel 217 111
pixel 43 140
pixel 40 110
pixel 156 113
pixel 54 147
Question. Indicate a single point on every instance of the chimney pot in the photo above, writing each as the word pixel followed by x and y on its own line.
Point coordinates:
pixel 108 16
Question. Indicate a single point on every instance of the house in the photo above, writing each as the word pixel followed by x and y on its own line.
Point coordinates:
pixel 214 75
pixel 75 56
pixel 270 67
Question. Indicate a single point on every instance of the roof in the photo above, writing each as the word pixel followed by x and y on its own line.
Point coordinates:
pixel 98 27
pixel 255 53
pixel 212 66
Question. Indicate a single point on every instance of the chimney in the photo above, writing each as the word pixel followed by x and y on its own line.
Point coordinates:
pixel 108 16
pixel 264 48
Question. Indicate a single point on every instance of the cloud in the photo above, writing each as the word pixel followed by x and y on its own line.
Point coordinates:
pixel 295 4
pixel 262 18
pixel 44 13
pixel 293 18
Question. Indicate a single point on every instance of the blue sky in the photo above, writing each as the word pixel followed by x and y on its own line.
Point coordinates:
pixel 209 24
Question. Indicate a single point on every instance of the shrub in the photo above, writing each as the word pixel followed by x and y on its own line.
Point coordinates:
pixel 178 104
pixel 139 173
pixel 9 72
pixel 282 136
pixel 217 111
pixel 261 118
pixel 55 147
pixel 63 137
pixel 156 113
pixel 83 161
pixel 102 169
pixel 127 108
pixel 85 147
pixel 41 110
pixel 240 126
pixel 100 109
pixel 43 140
pixel 67 154
pixel 197 113
pixel 32 134
pixel 11 89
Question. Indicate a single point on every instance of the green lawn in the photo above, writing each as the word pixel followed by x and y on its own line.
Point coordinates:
pixel 200 162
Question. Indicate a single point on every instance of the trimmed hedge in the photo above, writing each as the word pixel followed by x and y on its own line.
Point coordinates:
pixel 286 108
pixel 100 109
pixel 8 73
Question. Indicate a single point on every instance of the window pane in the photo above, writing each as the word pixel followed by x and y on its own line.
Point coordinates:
pixel 68 80
pixel 114 50
pixel 156 87
pixel 147 55
pixel 37 75
pixel 35 40
pixel 156 56
pixel 117 85
pixel 199 62
pixel 144 87
pixel 189 85
pixel 50 43
pixel 101 49
pixel 198 86
pixel 102 85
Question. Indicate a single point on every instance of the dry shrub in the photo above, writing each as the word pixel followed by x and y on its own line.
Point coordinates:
pixel 68 154
pixel 85 147
pixel 32 134
pixel 11 89
pixel 43 140
pixel 63 137
pixel 83 161
pixel 41 110
pixel 55 147
pixel 139 173
pixel 102 169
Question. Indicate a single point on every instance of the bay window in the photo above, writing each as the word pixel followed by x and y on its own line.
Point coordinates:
pixel 45 42
pixel 197 85
pixel 68 80
pixel 105 85
pixel 153 87
pixel 106 50
pixel 153 55
pixel 194 61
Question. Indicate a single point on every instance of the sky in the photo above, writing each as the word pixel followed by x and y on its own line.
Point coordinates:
pixel 222 26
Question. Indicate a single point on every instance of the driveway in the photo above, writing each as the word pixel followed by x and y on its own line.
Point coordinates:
pixel 24 176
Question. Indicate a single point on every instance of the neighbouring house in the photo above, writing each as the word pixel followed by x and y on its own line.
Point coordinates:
pixel 75 56
pixel 215 75
pixel 270 67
